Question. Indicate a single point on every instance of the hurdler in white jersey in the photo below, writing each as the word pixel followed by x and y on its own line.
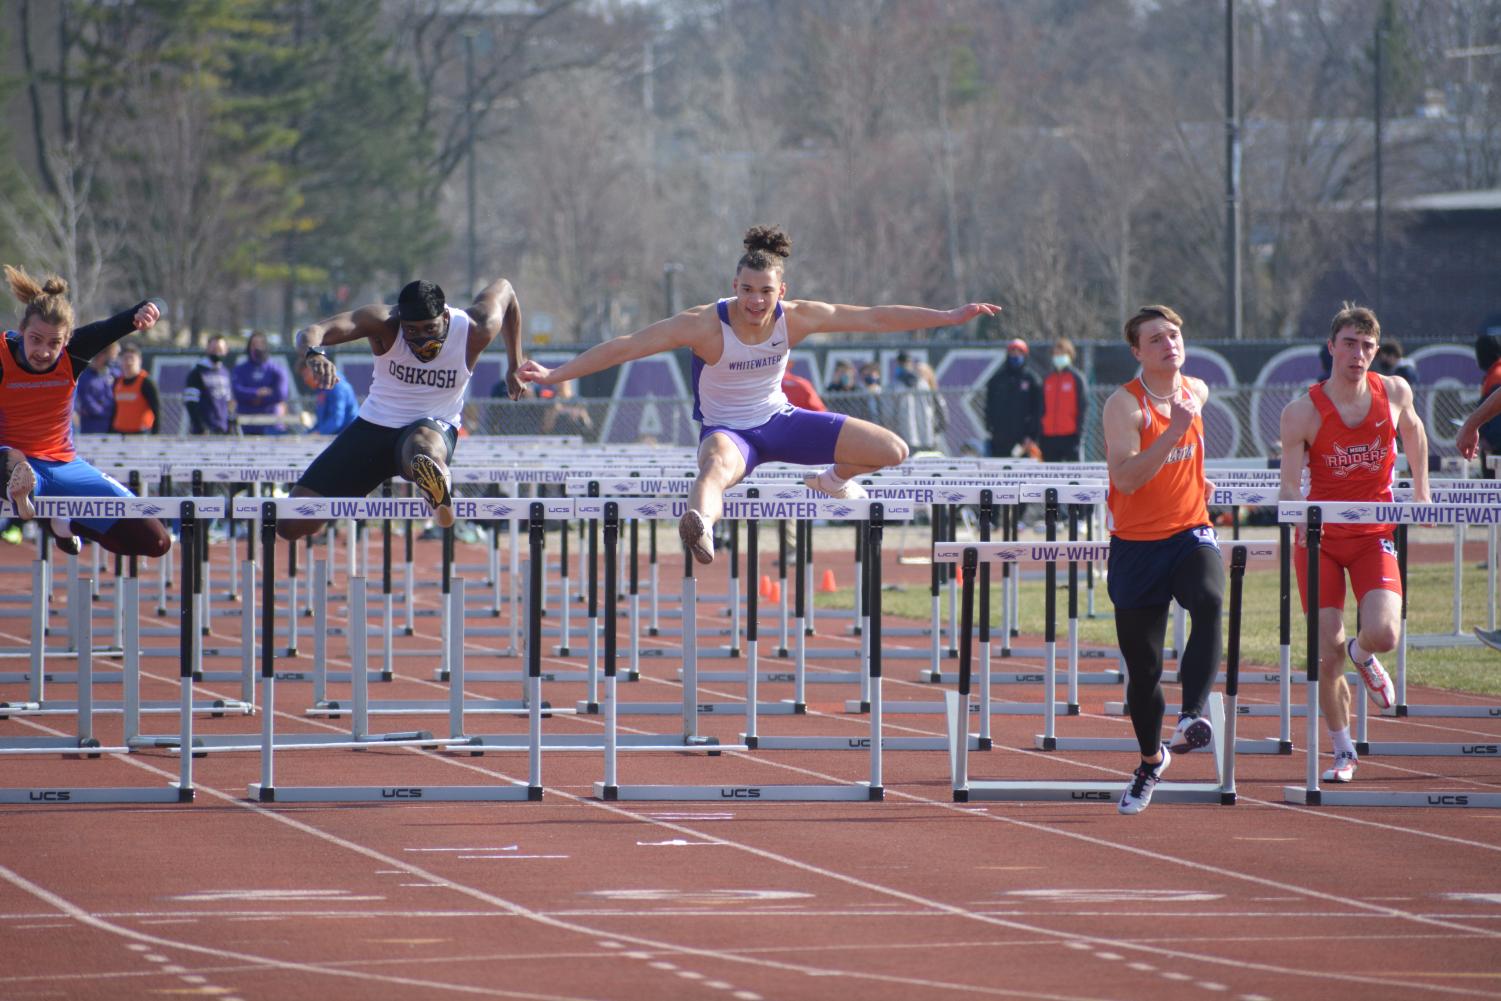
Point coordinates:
pixel 740 347
pixel 425 352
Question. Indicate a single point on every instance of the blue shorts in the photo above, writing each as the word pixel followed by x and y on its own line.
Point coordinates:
pixel 1140 573
pixel 77 479
pixel 806 437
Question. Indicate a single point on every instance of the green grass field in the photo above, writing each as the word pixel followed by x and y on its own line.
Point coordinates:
pixel 1430 610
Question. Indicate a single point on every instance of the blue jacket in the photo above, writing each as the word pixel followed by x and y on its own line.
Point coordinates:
pixel 337 408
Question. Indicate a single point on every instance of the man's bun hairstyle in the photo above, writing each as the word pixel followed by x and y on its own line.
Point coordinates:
pixel 766 249
pixel 45 299
pixel 420 300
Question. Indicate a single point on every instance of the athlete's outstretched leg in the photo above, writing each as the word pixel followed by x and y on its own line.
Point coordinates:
pixel 721 465
pixel 424 461
pixel 129 537
pixel 862 447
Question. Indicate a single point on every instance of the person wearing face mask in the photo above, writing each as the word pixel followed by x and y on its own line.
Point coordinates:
pixel 136 400
pixel 1065 402
pixel 207 393
pixel 94 399
pixel 39 367
pixel 261 388
pixel 425 353
pixel 1013 405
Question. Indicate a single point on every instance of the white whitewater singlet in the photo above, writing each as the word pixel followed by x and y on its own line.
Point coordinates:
pixel 405 389
pixel 744 388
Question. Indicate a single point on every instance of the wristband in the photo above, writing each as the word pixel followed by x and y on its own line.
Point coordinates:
pixel 315 351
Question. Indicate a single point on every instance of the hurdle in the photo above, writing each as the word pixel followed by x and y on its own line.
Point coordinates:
pixel 403 509
pixel 1314 515
pixel 1221 716
pixel 266 790
pixel 609 787
pixel 180 791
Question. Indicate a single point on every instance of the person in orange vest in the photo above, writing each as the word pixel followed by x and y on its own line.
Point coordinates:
pixel 1065 401
pixel 136 400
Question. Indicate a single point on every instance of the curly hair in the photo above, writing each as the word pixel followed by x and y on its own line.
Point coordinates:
pixel 47 299
pixel 766 249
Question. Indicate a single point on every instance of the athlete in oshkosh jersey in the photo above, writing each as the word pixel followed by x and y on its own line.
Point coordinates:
pixel 39 368
pixel 1344 431
pixel 425 352
pixel 740 347
pixel 1162 546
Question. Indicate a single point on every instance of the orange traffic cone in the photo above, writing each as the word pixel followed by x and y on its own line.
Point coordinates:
pixel 827 586
pixel 775 595
pixel 765 589
pixel 958 575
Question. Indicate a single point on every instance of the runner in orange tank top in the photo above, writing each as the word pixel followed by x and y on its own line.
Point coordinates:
pixel 39 367
pixel 1344 432
pixel 1162 546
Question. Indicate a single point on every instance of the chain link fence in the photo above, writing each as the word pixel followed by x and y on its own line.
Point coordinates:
pixel 1239 422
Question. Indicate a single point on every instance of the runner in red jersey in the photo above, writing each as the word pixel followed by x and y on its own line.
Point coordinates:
pixel 39 368
pixel 1344 432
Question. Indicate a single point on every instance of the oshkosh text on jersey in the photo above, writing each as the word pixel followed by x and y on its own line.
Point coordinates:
pixel 438 378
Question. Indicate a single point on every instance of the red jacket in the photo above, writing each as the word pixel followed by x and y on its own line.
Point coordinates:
pixel 1064 402
pixel 800 392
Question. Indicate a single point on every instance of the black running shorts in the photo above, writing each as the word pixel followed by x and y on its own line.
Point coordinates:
pixel 365 455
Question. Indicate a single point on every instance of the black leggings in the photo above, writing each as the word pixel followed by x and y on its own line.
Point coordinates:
pixel 1198 584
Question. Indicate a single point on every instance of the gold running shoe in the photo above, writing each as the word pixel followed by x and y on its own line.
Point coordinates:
pixel 434 486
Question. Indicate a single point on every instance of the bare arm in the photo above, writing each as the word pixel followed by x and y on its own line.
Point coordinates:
pixel 806 316
pixel 1295 426
pixel 1131 466
pixel 686 329
pixel 496 311
pixel 1468 439
pixel 1414 438
pixel 366 322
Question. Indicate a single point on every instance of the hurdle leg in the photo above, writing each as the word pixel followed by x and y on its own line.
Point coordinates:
pixel 1285 661
pixel 752 648
pixel 690 652
pixel 800 604
pixel 453 640
pixel 130 642
pixel 320 632
pixel 782 650
pixel 40 600
pixel 935 582
pixel 951 533
pixel 734 526
pixel 1459 579
pixel 873 670
pixel 635 605
pixel 986 512
pixel 81 594
pixel 359 719
pixel 565 598
pixel 246 581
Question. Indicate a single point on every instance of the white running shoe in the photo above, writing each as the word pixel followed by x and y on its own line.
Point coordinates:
pixel 22 482
pixel 694 531
pixel 1344 767
pixel 1139 793
pixel 1193 732
pixel 1378 684
pixel 434 486
pixel 850 491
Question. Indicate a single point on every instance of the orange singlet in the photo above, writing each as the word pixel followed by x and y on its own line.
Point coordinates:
pixel 1173 500
pixel 37 417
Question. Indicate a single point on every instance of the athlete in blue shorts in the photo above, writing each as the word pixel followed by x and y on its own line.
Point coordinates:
pixel 39 369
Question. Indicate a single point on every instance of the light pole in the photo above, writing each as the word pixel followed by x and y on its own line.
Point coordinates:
pixel 470 180
pixel 1381 31
pixel 1233 308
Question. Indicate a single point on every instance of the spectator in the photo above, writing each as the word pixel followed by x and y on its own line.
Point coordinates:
pixel 801 393
pixel 563 417
pixel 1013 405
pixel 335 407
pixel 919 420
pixel 844 380
pixel 1488 357
pixel 261 388
pixel 136 401
pixel 1389 361
pixel 1065 402
pixel 207 394
pixel 94 400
